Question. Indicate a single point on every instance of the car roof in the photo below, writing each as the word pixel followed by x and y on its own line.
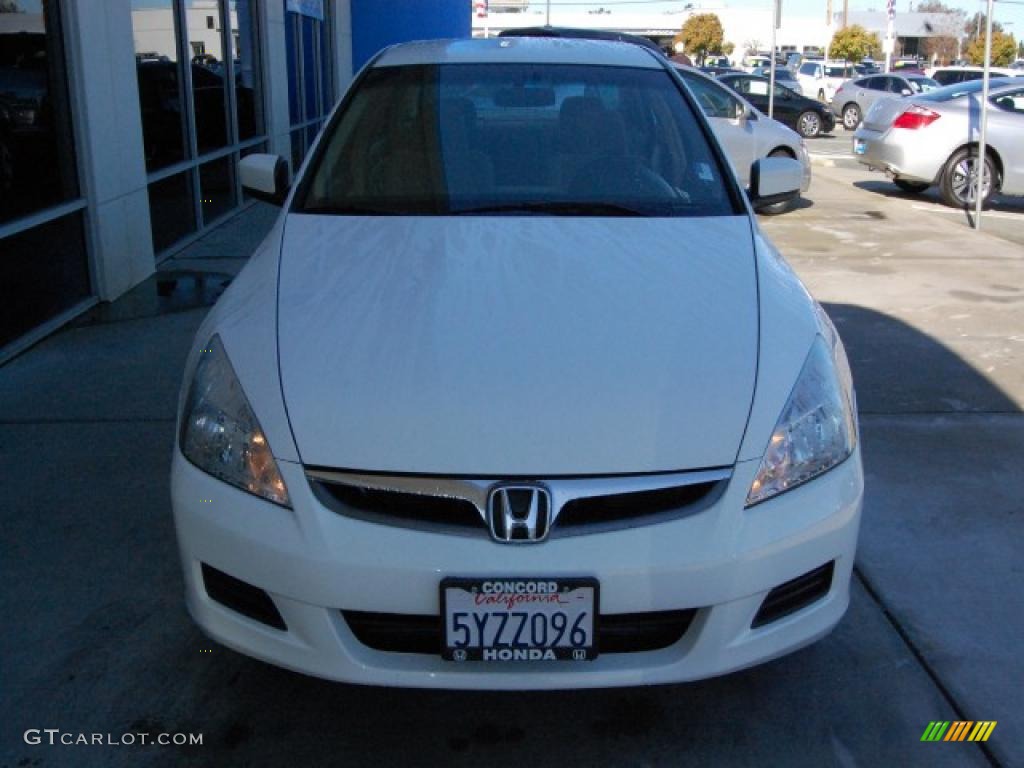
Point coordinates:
pixel 519 50
pixel 578 33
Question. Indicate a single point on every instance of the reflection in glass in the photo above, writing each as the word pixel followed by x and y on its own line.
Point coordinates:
pixel 291 40
pixel 209 97
pixel 216 188
pixel 171 210
pixel 37 160
pixel 310 70
pixel 43 272
pixel 326 90
pixel 298 148
pixel 156 61
pixel 245 50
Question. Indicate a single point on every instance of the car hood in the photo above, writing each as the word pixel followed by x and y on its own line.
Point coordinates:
pixel 528 346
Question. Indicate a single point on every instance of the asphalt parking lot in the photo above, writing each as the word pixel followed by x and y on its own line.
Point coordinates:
pixel 96 639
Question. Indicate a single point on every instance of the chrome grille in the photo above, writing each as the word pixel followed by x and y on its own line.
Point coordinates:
pixel 580 505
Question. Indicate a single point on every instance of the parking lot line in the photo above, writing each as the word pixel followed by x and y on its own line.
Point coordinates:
pixel 958 212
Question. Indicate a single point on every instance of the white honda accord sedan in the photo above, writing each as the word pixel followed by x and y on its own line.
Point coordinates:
pixel 516 394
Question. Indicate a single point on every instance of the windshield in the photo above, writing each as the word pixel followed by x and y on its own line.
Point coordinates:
pixel 840 72
pixel 922 84
pixel 521 139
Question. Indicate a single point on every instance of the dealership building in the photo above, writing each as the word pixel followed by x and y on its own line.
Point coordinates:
pixel 122 123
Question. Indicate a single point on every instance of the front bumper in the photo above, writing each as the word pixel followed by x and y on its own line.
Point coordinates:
pixel 313 563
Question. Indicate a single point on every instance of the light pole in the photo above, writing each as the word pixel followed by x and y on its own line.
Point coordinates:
pixel 980 162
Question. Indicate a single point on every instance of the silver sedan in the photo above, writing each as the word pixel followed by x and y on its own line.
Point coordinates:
pixel 854 98
pixel 932 139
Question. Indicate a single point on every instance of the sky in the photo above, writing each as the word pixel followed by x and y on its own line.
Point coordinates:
pixel 1009 14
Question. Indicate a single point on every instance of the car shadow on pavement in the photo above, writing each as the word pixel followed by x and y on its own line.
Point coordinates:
pixel 900 369
pixel 884 187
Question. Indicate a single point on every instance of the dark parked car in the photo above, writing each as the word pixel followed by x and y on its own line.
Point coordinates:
pixel 719 71
pixel 807 117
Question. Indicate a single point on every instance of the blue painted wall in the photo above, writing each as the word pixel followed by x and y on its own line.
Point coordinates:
pixel 380 23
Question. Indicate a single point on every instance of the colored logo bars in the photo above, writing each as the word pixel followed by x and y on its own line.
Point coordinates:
pixel 960 730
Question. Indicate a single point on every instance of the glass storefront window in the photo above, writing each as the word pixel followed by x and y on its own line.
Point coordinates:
pixel 195 128
pixel 157 66
pixel 44 271
pixel 217 188
pixel 245 46
pixel 309 82
pixel 172 210
pixel 209 70
pixel 37 158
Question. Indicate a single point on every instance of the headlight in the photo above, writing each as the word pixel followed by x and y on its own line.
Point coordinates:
pixel 817 429
pixel 220 433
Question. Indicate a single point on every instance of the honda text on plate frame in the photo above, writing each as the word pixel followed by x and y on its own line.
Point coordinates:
pixel 516 394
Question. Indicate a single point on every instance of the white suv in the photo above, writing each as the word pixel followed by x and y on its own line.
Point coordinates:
pixel 821 79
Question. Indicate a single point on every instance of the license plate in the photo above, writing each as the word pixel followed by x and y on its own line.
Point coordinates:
pixel 859 147
pixel 517 619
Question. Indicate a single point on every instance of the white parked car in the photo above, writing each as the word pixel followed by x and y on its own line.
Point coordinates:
pixel 745 133
pixel 516 394
pixel 821 79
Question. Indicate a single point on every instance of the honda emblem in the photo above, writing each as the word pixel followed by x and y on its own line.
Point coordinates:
pixel 519 514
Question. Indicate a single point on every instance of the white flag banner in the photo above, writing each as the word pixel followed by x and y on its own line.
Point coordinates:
pixel 312 8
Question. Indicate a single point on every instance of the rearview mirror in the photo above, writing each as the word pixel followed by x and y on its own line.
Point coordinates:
pixel 265 177
pixel 774 180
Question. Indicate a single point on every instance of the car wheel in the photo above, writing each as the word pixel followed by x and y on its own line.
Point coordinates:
pixel 851 117
pixel 959 175
pixel 777 208
pixel 914 187
pixel 808 124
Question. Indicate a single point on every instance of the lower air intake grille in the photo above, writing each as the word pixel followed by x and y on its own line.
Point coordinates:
pixel 617 632
pixel 241 597
pixel 796 594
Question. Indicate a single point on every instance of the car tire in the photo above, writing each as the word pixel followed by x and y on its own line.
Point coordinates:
pixel 808 124
pixel 955 184
pixel 914 187
pixel 777 208
pixel 851 116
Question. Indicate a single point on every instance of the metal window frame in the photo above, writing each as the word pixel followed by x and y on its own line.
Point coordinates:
pixel 186 95
pixel 322 76
pixel 71 52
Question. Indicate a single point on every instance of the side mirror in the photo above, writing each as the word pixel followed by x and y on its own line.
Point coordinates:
pixel 265 177
pixel 744 113
pixel 774 180
pixel 906 92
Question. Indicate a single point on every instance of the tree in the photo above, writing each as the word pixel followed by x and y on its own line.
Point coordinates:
pixel 853 43
pixel 702 34
pixel 728 48
pixel 1004 47
pixel 945 41
pixel 975 28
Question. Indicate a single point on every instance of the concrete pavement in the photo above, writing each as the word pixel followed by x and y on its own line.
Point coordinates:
pixel 97 640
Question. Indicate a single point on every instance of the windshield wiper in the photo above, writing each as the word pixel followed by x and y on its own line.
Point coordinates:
pixel 556 207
